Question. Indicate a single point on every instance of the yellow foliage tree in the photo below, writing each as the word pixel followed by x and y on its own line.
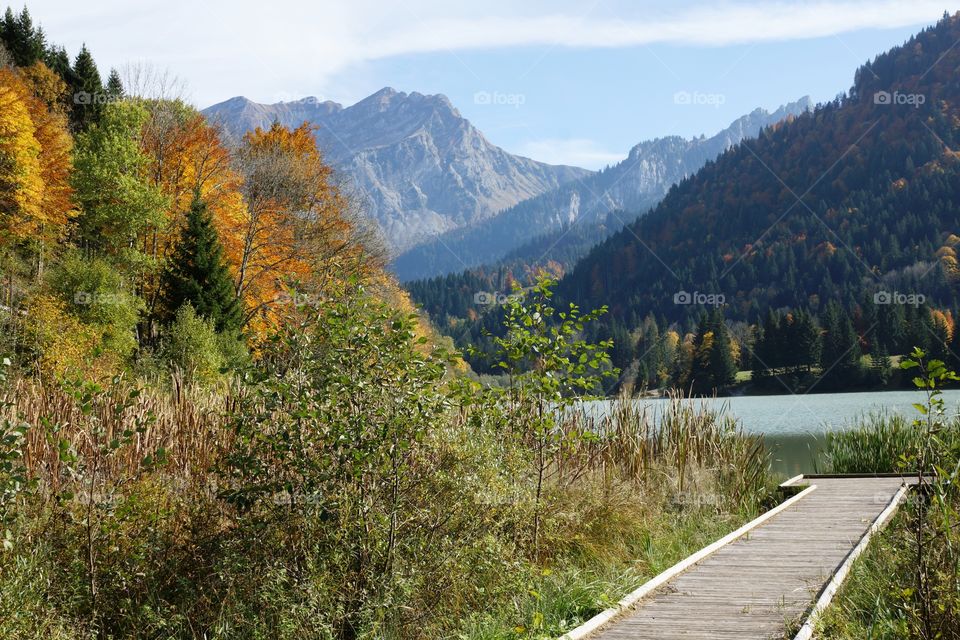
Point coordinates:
pixel 21 180
pixel 36 199
pixel 187 157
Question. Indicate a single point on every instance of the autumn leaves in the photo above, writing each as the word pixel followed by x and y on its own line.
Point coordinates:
pixel 120 190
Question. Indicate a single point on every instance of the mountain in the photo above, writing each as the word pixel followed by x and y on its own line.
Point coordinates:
pixel 634 185
pixel 857 202
pixel 420 167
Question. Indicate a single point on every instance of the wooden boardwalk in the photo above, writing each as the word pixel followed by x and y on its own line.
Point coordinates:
pixel 764 582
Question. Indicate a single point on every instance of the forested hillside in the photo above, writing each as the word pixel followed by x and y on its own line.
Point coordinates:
pixel 849 215
pixel 131 235
pixel 840 225
pixel 861 194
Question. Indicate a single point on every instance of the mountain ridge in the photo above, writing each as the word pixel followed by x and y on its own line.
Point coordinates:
pixel 418 166
pixel 635 184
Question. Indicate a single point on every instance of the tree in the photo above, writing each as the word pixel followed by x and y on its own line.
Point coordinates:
pixel 723 366
pixel 6 60
pixel 840 360
pixel 809 345
pixel 197 274
pixel 114 85
pixel 88 93
pixel 58 60
pixel 25 43
pixel 21 179
pixel 550 366
pixel 118 203
pixel 713 366
pixel 295 223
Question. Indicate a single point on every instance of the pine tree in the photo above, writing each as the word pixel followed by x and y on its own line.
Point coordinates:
pixel 809 343
pixel 26 44
pixel 722 367
pixel 114 85
pixel 198 274
pixel 58 60
pixel 840 360
pixel 87 90
pixel 713 365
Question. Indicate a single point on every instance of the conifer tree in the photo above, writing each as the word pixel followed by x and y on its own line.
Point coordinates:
pixel 114 85
pixel 58 60
pixel 198 274
pixel 722 367
pixel 809 343
pixel 24 43
pixel 840 360
pixel 88 93
pixel 713 366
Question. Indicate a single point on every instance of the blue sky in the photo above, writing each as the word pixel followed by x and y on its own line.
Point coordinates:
pixel 569 82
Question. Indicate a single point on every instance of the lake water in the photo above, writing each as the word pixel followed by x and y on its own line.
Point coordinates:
pixel 793 425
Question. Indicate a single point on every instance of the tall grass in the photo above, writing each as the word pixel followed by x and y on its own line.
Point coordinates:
pixel 170 559
pixel 877 443
pixel 186 422
pixel 686 442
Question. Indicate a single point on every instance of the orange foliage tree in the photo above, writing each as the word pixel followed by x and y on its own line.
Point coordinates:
pixel 295 226
pixel 36 199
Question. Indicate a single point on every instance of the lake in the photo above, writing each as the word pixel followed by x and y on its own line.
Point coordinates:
pixel 793 425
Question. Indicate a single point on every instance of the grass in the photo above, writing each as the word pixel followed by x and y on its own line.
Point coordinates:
pixel 559 600
pixel 862 608
pixel 876 445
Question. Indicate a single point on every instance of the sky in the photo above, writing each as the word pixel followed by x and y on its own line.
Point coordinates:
pixel 559 81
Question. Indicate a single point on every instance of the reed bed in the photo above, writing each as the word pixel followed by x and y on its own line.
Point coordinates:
pixel 129 544
pixel 688 439
pixel 184 424
pixel 876 443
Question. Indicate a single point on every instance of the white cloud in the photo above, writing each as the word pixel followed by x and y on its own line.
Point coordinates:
pixel 222 47
pixel 579 152
pixel 710 25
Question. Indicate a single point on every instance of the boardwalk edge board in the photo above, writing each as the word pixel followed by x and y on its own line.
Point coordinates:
pixel 604 617
pixel 806 631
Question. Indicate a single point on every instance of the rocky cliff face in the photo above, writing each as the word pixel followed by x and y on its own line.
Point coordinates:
pixel 625 190
pixel 418 166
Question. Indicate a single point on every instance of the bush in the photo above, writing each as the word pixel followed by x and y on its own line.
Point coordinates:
pixel 61 344
pixel 347 488
pixel 191 345
pixel 95 292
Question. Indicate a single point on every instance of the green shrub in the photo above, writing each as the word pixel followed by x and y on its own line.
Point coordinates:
pixel 95 292
pixel 191 345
